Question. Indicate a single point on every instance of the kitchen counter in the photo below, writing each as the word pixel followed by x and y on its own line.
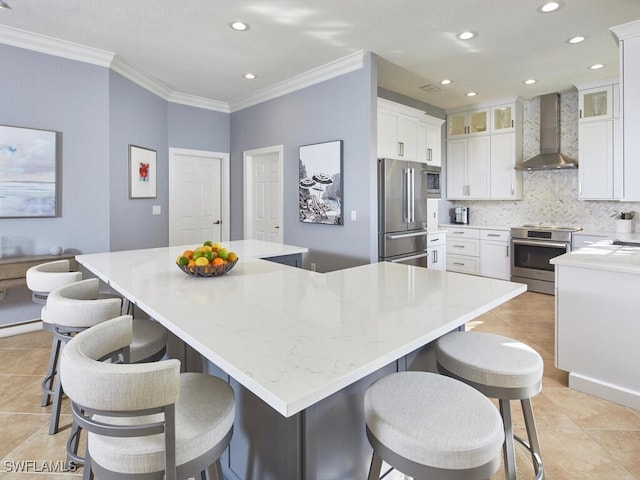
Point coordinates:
pixel 597 328
pixel 605 256
pixel 300 347
pixel 449 226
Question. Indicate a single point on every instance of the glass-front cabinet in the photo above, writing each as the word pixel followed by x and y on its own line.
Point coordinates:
pixel 475 122
pixel 503 118
pixel 596 103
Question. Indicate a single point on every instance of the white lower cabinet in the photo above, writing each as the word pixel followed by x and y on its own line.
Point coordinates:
pixel 437 250
pixel 463 250
pixel 495 260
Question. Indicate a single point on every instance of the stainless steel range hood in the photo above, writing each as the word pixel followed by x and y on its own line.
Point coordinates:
pixel 550 157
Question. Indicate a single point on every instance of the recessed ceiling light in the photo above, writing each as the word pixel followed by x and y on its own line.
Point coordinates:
pixel 249 76
pixel 596 66
pixel 530 81
pixel 576 39
pixel 471 94
pixel 446 81
pixel 549 7
pixel 468 35
pixel 240 26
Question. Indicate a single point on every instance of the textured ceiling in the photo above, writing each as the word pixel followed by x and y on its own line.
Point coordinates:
pixel 190 48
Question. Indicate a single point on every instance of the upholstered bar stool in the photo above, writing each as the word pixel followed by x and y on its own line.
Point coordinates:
pixel 502 368
pixel 41 280
pixel 76 307
pixel 144 420
pixel 432 427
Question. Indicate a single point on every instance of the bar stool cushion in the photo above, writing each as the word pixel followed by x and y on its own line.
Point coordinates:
pixel 434 420
pixel 489 359
pixel 46 277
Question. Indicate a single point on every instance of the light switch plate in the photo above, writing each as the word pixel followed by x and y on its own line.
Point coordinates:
pixel 156 210
pixel 353 215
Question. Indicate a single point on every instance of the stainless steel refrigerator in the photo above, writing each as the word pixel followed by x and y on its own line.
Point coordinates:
pixel 402 211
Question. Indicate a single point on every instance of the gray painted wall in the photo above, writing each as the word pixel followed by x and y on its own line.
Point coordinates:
pixel 99 113
pixel 337 109
pixel 198 129
pixel 136 117
pixel 42 91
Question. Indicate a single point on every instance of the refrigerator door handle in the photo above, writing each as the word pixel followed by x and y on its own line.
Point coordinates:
pixel 407 196
pixel 412 200
pixel 398 236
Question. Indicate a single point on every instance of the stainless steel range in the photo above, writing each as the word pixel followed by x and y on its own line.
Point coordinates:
pixel 532 246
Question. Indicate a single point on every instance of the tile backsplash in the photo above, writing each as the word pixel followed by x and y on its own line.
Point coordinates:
pixel 548 196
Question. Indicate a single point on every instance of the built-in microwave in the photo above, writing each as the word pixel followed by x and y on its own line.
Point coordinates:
pixel 433 182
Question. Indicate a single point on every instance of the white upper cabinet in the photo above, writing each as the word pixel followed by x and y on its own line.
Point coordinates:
pixel 473 122
pixel 595 103
pixel 430 140
pixel 483 147
pixel 599 141
pixel 407 133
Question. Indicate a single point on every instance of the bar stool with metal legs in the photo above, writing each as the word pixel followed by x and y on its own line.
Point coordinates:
pixel 76 307
pixel 42 279
pixel 502 368
pixel 430 426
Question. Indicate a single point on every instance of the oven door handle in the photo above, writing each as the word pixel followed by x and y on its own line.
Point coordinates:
pixel 411 257
pixel 540 244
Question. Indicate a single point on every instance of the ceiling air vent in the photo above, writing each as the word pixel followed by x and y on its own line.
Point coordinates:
pixel 429 88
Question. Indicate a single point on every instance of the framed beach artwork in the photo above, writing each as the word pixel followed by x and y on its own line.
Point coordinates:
pixel 142 172
pixel 320 183
pixel 28 172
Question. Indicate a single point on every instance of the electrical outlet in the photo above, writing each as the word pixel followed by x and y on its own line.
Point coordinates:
pixel 313 267
pixel 156 210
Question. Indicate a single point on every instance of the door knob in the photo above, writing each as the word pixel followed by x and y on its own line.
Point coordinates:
pixel 217 222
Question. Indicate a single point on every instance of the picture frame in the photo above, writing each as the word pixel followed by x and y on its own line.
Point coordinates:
pixel 29 186
pixel 320 183
pixel 143 172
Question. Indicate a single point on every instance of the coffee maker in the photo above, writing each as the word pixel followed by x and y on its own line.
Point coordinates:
pixel 460 215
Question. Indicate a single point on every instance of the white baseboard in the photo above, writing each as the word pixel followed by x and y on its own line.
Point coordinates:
pixel 608 391
pixel 11 330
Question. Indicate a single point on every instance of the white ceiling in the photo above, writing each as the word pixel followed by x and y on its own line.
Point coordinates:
pixel 189 46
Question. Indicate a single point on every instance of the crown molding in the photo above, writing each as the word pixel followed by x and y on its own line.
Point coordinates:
pixel 199 102
pixel 626 30
pixel 133 73
pixel 54 46
pixel 74 51
pixel 350 63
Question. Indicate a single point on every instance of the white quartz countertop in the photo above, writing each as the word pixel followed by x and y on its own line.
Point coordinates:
pixel 604 256
pixel 291 336
pixel 449 226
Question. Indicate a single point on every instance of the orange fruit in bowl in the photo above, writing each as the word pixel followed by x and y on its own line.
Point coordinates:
pixel 187 253
pixel 218 262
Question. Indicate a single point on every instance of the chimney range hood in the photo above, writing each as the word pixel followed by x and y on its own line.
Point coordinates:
pixel 549 157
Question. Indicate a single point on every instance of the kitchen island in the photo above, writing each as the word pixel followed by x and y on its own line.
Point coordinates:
pixel 597 324
pixel 299 347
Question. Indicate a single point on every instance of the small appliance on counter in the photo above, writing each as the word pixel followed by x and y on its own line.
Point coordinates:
pixel 460 215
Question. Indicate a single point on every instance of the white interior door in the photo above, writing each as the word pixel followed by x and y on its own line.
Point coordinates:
pixel 198 197
pixel 263 202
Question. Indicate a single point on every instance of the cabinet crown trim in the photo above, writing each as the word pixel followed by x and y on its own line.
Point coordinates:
pixel 400 108
pixel 488 104
pixel 604 82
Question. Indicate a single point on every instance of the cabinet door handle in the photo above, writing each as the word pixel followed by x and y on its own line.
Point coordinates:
pixel 580 113
pixel 429 155
pixel 401 145
pixel 507 251
pixel 512 124
pixel 458 246
pixel 493 234
pixel 459 263
pixel 512 190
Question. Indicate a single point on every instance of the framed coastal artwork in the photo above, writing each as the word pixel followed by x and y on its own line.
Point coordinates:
pixel 142 172
pixel 28 172
pixel 320 183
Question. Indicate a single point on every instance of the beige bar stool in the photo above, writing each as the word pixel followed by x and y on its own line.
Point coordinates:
pixel 503 368
pixel 430 426
pixel 76 307
pixel 41 280
pixel 144 421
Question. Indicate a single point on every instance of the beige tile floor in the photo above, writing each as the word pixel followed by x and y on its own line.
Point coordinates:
pixel 582 437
